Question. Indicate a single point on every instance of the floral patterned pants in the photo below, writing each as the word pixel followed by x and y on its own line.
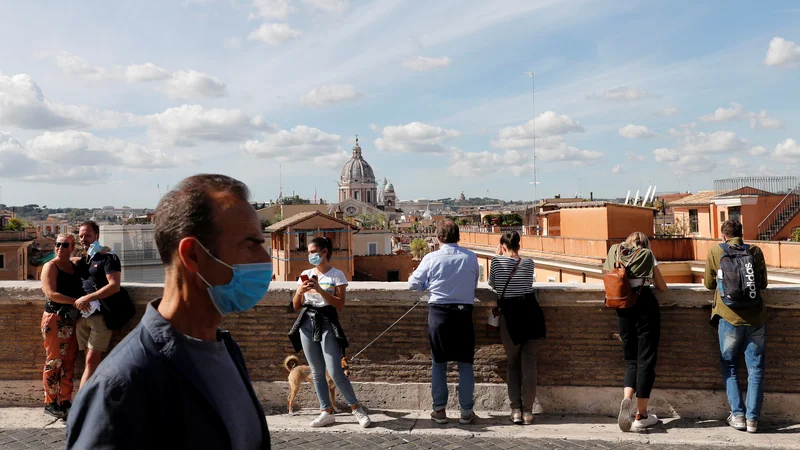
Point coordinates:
pixel 61 345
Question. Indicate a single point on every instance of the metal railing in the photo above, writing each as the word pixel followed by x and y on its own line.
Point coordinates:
pixel 139 255
pixel 783 212
pixel 756 185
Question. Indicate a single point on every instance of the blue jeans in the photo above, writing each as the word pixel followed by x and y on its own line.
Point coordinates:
pixel 466 386
pixel 325 355
pixel 731 341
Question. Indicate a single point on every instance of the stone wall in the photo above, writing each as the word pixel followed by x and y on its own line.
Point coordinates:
pixel 581 348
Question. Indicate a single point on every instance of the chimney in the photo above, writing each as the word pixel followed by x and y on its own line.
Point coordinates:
pixel 591 196
pixel 557 196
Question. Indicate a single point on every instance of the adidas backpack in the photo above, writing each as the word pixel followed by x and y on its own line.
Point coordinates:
pixel 737 279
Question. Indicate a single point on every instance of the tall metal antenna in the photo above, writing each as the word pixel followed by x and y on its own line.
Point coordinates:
pixel 533 103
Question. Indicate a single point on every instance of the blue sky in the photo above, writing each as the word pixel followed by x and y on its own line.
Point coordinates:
pixel 102 102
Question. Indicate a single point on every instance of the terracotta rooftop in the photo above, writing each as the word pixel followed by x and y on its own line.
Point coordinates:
pixel 702 198
pixel 300 217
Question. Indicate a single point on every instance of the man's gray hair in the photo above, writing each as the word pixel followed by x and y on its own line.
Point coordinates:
pixel 188 210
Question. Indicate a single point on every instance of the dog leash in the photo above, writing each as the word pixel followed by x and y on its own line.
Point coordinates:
pixel 421 299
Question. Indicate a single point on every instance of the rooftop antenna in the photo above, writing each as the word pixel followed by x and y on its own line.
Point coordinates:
pixel 636 199
pixel 644 200
pixel 627 197
pixel 533 123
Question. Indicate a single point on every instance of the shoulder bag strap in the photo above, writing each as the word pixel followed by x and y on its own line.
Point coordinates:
pixel 503 294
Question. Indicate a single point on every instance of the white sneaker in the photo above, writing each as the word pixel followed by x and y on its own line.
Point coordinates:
pixel 625 413
pixel 646 422
pixel 324 419
pixel 737 422
pixel 361 415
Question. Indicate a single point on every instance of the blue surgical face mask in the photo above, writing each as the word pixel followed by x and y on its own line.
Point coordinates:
pixel 248 286
pixel 94 248
pixel 315 259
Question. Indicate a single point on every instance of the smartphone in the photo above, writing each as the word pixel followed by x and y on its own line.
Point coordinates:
pixel 303 278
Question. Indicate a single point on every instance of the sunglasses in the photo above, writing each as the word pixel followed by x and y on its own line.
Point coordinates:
pixel 62 244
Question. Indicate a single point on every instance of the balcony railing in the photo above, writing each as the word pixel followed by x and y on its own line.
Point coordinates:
pixel 16 236
pixel 139 255
pixel 755 185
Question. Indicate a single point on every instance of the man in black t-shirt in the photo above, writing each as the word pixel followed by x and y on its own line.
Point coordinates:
pixel 101 273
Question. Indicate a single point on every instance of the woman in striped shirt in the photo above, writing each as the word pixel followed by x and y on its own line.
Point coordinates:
pixel 511 277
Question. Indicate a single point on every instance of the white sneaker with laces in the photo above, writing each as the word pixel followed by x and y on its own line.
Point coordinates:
pixel 325 418
pixel 625 414
pixel 646 422
pixel 361 415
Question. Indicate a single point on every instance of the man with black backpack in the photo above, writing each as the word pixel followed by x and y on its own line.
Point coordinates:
pixel 738 273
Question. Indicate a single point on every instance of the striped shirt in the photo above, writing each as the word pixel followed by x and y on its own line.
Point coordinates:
pixel 520 284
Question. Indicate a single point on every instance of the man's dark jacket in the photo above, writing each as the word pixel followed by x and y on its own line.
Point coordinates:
pixel 146 395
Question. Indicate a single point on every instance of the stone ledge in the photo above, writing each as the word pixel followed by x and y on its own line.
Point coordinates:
pixel 371 293
pixel 603 401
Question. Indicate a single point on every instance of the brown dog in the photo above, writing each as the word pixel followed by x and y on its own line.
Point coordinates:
pixel 298 374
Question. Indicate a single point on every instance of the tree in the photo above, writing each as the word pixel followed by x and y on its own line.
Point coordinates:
pixel 419 248
pixel 512 220
pixel 264 223
pixel 796 235
pixel 488 218
pixel 461 222
pixel 373 221
pixel 15 224
pixel 296 200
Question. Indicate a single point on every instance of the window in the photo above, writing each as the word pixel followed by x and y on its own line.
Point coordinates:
pixel 2 261
pixel 369 197
pixel 372 248
pixel 355 195
pixel 721 216
pixel 735 213
pixel 393 275
pixel 694 226
pixel 301 241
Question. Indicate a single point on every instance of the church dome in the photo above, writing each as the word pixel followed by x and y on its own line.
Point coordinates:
pixel 389 187
pixel 357 169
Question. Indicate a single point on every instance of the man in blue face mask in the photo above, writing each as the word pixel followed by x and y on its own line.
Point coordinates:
pixel 178 381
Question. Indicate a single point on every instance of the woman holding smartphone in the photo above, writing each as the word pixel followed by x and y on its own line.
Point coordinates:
pixel 320 295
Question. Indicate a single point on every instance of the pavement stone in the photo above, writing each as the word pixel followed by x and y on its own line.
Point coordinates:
pixel 52 438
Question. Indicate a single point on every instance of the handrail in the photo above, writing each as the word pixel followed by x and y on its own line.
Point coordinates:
pixel 776 207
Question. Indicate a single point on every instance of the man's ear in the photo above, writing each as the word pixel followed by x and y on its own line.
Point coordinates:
pixel 187 252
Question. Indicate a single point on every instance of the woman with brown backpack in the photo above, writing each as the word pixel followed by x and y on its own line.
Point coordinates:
pixel 630 269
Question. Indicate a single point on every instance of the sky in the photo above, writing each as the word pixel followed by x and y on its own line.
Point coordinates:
pixel 112 103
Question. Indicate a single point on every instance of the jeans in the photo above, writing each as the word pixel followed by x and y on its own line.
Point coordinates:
pixel 325 355
pixel 732 339
pixel 521 379
pixel 466 386
pixel 640 331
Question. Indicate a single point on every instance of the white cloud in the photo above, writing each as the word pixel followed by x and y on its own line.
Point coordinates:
pixel 74 65
pixel 683 129
pixel 555 149
pixel 735 112
pixel 329 6
pixel 616 169
pixel 180 84
pixel 272 9
pixel 757 151
pixel 762 121
pixel 331 93
pixel 23 105
pixel 426 63
pixel 190 84
pixel 737 163
pixel 665 154
pixel 80 148
pixel 136 73
pixel 414 137
pixel 299 142
pixel 273 33
pixel 631 131
pixel 717 142
pixel 233 42
pixel 334 160
pixel 620 94
pixel 635 157
pixel 782 53
pixel 478 164
pixel 186 124
pixel 693 163
pixel 548 124
pixel 668 112
pixel 788 151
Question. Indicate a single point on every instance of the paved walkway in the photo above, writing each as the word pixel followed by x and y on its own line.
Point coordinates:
pixel 30 428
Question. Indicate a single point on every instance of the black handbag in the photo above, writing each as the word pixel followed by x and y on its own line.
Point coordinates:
pixel 117 310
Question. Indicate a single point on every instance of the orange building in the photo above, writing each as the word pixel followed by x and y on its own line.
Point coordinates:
pixel 765 214
pixel 290 238
pixel 597 220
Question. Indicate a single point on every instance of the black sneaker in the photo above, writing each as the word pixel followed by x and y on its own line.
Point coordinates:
pixel 54 410
pixel 66 405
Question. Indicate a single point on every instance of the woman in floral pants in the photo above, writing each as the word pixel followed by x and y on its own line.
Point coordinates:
pixel 62 285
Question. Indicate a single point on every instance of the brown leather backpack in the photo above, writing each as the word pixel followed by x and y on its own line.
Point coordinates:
pixel 619 293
